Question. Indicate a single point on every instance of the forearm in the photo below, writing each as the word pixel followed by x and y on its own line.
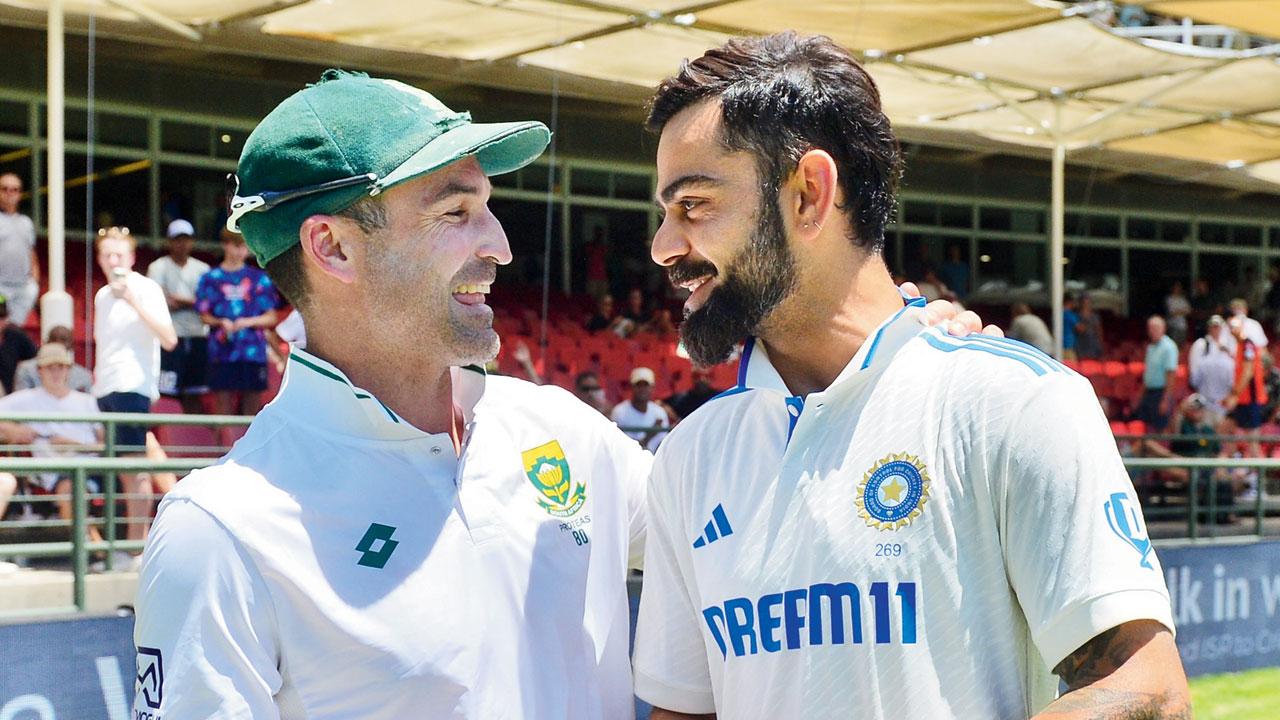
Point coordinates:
pixel 265 320
pixel 1098 702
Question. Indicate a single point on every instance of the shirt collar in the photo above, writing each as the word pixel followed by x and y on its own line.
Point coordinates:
pixel 755 371
pixel 323 396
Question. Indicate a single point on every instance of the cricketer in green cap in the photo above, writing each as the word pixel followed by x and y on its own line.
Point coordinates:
pixel 351 136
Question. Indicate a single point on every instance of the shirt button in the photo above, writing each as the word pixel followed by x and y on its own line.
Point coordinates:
pixel 435 450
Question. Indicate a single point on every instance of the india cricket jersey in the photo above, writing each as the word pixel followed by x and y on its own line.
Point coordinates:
pixel 340 563
pixel 925 538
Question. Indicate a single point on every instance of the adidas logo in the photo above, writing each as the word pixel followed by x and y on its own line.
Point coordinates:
pixel 717 528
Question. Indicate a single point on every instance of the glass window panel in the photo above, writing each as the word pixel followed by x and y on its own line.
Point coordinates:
pixel 197 194
pixel 1174 231
pixel 921 253
pixel 625 235
pixel 1152 274
pixel 1096 271
pixel 1089 225
pixel 1009 271
pixel 1215 233
pixel 955 216
pixel 16 159
pixel 1141 229
pixel 998 219
pixel 1225 275
pixel 1029 221
pixel 180 137
pixel 13 117
pixel 119 193
pixel 229 142
pixel 534 177
pixel 631 186
pixel 525 223
pixel 590 182
pixel 109 128
pixel 919 213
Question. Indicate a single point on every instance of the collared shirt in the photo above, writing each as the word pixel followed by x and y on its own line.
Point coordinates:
pixel 925 538
pixel 341 563
pixel 181 281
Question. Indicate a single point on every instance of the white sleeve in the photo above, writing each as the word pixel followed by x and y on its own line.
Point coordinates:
pixel 631 467
pixel 1075 543
pixel 670 662
pixel 205 628
pixel 157 305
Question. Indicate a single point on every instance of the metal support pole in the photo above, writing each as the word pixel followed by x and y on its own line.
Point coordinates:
pixel 79 523
pixel 1056 244
pixel 55 306
pixel 109 492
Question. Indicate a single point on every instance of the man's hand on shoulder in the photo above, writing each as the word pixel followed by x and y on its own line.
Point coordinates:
pixel 950 317
pixel 1130 672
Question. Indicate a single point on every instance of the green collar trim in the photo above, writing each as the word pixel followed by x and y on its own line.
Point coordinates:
pixel 338 378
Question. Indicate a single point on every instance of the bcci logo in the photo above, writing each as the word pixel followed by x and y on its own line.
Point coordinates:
pixel 893 492
pixel 1126 522
pixel 548 470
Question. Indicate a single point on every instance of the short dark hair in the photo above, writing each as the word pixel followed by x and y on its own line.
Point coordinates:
pixel 287 270
pixel 783 95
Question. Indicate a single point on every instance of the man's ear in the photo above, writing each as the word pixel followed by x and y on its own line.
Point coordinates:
pixel 322 238
pixel 815 186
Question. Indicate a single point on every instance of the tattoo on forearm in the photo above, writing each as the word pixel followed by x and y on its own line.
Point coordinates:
pixel 1099 658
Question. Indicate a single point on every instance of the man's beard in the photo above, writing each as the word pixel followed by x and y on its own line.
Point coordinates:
pixel 761 276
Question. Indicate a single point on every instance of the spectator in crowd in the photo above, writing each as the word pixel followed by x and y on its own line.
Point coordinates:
pixel 587 387
pixel 1248 394
pixel 955 271
pixel 1030 329
pixel 1088 331
pixel 28 375
pixel 661 324
pixel 684 403
pixel 1177 309
pixel 238 302
pixel 637 312
pixel 605 318
pixel 640 412
pixel 524 358
pixel 1252 328
pixel 131 324
pixel 1196 424
pixel 54 439
pixel 1157 376
pixel 1211 365
pixel 1070 327
pixel 19 264
pixel 15 346
pixel 1271 382
pixel 182 370
pixel 596 252
pixel 1272 300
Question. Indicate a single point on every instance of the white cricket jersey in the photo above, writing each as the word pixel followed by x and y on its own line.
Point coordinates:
pixel 925 538
pixel 340 563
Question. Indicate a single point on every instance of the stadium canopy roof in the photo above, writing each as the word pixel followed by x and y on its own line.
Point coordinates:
pixel 1019 76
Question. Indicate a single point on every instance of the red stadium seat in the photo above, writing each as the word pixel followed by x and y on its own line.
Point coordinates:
pixel 1137 427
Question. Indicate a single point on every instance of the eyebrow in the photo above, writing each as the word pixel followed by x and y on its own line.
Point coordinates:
pixel 452 189
pixel 681 183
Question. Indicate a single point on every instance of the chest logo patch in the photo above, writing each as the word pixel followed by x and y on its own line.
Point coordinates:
pixel 548 470
pixel 893 492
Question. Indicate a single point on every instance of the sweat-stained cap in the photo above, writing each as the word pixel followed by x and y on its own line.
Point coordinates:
pixel 351 136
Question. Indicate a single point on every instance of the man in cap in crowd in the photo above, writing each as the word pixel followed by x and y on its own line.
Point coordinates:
pixel 951 514
pixel 397 535
pixel 28 374
pixel 182 369
pixel 642 418
pixel 19 264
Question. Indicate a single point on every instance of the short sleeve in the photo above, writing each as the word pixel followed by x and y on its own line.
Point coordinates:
pixel 155 271
pixel 205 295
pixel 1075 543
pixel 205 631
pixel 670 663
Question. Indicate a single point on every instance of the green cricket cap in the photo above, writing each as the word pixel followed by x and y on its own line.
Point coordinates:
pixel 351 136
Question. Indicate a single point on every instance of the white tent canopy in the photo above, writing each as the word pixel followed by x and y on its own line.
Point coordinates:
pixel 1031 76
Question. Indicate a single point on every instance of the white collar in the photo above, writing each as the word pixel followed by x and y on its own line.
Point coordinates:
pixel 316 392
pixel 755 371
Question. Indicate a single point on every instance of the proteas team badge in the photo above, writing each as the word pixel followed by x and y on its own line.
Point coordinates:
pixel 548 470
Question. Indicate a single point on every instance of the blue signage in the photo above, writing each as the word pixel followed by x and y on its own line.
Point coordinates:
pixel 1226 605
pixel 81 669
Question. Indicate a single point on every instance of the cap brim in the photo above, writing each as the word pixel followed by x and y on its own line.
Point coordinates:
pixel 499 147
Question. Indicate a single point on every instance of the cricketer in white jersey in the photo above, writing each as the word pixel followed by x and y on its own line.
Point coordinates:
pixel 341 563
pixel 925 538
pixel 880 521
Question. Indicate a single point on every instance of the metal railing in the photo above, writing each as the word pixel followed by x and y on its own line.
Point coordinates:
pixel 80 469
